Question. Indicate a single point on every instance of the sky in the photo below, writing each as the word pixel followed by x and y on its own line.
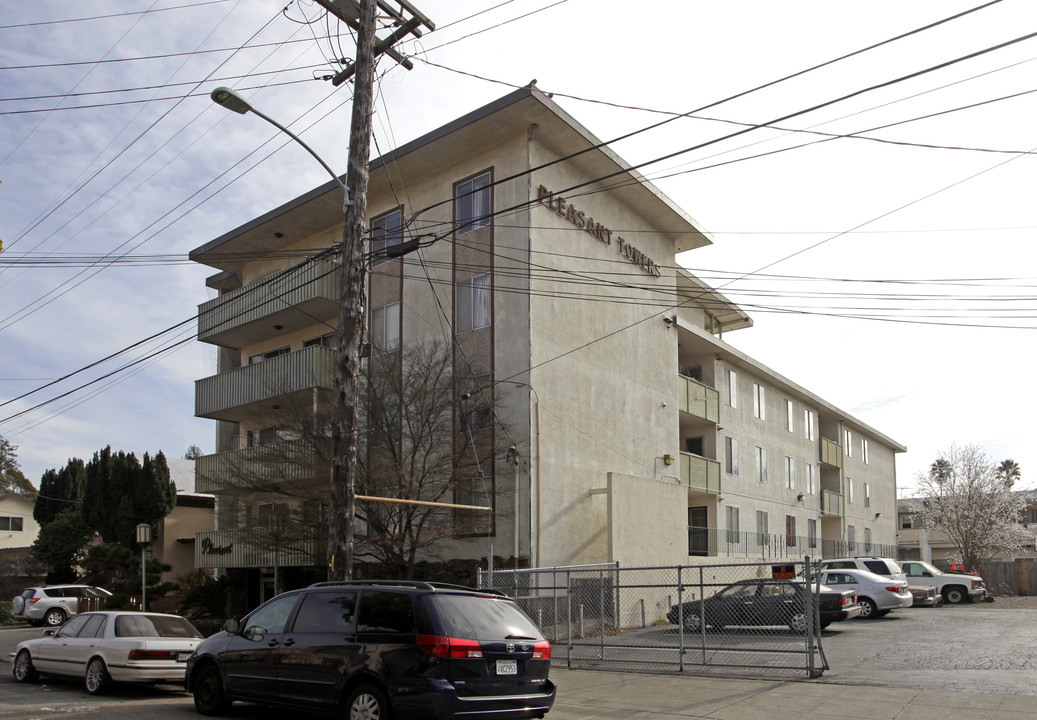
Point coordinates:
pixel 892 273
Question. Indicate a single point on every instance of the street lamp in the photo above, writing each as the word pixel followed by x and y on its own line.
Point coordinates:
pixel 225 97
pixel 143 539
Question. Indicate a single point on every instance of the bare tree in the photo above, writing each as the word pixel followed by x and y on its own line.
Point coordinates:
pixel 969 498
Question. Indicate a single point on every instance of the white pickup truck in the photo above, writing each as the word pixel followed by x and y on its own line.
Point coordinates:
pixel 955 587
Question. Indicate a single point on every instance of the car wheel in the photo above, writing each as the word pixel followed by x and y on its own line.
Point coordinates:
pixel 692 622
pixel 867 608
pixel 54 617
pixel 798 623
pixel 24 670
pixel 955 595
pixel 825 623
pixel 367 702
pixel 209 698
pixel 97 679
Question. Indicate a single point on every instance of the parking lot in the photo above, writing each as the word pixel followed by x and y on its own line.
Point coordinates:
pixel 910 654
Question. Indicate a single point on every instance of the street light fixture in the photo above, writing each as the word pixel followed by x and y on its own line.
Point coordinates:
pixel 143 539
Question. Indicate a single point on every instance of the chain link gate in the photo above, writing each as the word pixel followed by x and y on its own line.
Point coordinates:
pixel 753 619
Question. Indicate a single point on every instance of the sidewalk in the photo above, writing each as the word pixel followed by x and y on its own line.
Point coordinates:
pixel 601 695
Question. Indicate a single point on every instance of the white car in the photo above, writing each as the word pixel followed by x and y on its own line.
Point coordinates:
pixel 876 594
pixel 110 646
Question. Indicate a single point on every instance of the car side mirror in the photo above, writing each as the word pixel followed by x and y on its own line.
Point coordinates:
pixel 232 626
pixel 48 633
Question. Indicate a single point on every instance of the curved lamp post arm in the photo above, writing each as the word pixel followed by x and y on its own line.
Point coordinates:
pixel 233 101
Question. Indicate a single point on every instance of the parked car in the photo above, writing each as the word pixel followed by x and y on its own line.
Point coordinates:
pixel 762 603
pixel 110 646
pixel 54 604
pixel 954 587
pixel 887 567
pixel 877 595
pixel 375 649
pixel 925 596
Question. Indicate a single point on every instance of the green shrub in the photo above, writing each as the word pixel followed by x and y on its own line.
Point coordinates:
pixel 5 613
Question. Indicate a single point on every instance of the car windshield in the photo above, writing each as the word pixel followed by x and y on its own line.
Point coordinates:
pixel 484 618
pixel 164 626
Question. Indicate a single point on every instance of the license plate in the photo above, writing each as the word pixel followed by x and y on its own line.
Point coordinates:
pixel 507 667
pixel 182 657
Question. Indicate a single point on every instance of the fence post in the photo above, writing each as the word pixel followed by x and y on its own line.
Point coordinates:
pixel 680 620
pixel 569 599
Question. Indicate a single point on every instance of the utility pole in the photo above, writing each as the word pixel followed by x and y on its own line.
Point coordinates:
pixel 361 16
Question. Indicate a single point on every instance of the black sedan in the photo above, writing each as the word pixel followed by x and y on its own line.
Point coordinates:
pixel 763 603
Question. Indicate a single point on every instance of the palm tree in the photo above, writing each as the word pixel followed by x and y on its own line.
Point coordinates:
pixel 1008 472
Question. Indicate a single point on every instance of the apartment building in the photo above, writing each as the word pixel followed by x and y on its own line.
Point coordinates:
pixel 915 542
pixel 547 265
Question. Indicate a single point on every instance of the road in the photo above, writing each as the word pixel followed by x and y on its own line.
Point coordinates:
pixel 983 648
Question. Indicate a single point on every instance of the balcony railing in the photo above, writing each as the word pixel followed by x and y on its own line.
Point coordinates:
pixel 711 542
pixel 697 399
pixel 259 468
pixel 295 299
pixel 700 473
pixel 261 547
pixel 832 503
pixel 245 391
pixel 831 453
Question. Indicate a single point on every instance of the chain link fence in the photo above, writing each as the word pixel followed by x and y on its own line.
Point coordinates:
pixel 755 619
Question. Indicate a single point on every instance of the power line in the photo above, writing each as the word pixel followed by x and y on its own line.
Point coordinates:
pixel 150 11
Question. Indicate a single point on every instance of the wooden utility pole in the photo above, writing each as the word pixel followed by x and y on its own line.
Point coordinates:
pixel 345 436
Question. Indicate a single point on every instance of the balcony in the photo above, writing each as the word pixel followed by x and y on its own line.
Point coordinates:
pixel 263 467
pixel 697 399
pixel 261 547
pixel 295 300
pixel 832 503
pixel 831 453
pixel 700 474
pixel 261 389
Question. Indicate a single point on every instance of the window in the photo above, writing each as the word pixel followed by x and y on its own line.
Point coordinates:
pixel 472 303
pixel 384 612
pixel 326 612
pixel 731 455
pixel 759 402
pixel 385 327
pixel 867 495
pixel 812 532
pixel 761 464
pixel 732 388
pixel 732 524
pixel 809 422
pixel 790 418
pixel 271 618
pixel 790 473
pixel 313 512
pixel 867 540
pixel 253 359
pixel 329 341
pixel 906 521
pixel 790 530
pixel 849 490
pixel 811 480
pixel 864 450
pixel 851 538
pixel 386 231
pixel 848 443
pixel 13 524
pixel 473 203
pixel 255 438
pixel 761 527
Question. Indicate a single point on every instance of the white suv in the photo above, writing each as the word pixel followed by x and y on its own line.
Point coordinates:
pixel 887 567
pixel 54 604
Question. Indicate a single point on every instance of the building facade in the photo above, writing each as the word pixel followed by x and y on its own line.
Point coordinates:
pixel 18 529
pixel 915 542
pixel 636 433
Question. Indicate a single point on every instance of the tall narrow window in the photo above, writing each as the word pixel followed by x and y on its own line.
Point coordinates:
pixel 761 464
pixel 385 327
pixel 809 421
pixel 848 443
pixel 473 303
pixel 762 531
pixel 790 418
pixel 849 490
pixel 759 402
pixel 867 495
pixel 731 455
pixel 790 473
pixel 864 450
pixel 386 231
pixel 732 388
pixel 812 532
pixel 867 540
pixel 790 530
pixel 473 203
pixel 851 539
pixel 732 524
pixel 811 480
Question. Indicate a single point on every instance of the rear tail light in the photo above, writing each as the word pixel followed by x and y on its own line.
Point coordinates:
pixel 845 601
pixel 897 590
pixel 33 600
pixel 542 650
pixel 152 655
pixel 441 646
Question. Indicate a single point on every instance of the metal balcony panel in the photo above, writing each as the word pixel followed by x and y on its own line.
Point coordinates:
pixel 831 453
pixel 699 473
pixel 297 299
pixel 699 400
pixel 832 503
pixel 249 391
pixel 260 468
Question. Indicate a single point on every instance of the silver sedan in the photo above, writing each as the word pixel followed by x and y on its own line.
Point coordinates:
pixel 876 594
